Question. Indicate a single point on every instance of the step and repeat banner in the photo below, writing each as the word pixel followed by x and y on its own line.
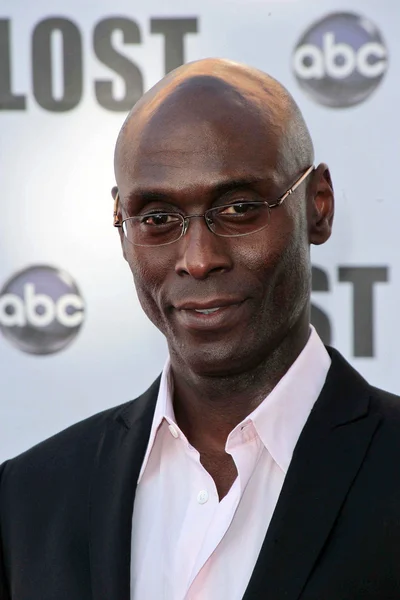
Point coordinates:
pixel 73 339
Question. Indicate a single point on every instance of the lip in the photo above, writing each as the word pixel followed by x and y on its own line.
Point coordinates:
pixel 207 304
pixel 228 315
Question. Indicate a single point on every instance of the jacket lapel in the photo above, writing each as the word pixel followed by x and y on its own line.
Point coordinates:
pixel 328 455
pixel 118 463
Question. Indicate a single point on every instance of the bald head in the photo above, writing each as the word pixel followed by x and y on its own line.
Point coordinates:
pixel 216 92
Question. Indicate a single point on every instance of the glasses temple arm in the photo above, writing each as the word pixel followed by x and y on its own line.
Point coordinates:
pixel 293 188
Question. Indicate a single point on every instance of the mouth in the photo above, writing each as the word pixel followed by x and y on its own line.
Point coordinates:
pixel 212 304
pixel 212 315
pixel 207 311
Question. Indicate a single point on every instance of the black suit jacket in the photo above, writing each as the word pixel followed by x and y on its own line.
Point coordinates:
pixel 66 505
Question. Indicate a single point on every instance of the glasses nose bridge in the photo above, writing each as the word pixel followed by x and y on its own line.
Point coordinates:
pixel 186 221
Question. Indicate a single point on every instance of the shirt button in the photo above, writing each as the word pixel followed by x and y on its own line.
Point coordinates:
pixel 173 431
pixel 202 497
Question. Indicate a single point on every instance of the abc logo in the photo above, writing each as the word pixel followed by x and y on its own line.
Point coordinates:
pixel 340 60
pixel 41 310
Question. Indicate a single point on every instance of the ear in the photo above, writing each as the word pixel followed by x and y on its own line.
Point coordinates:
pixel 114 192
pixel 321 205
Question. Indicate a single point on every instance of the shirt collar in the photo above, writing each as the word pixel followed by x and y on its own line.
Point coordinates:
pixel 280 418
pixel 164 410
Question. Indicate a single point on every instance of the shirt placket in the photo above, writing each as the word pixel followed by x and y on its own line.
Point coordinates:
pixel 245 448
pixel 202 504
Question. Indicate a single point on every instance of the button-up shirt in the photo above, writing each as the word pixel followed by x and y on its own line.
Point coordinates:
pixel 186 543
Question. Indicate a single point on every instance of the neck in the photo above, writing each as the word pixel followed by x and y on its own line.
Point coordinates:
pixel 208 408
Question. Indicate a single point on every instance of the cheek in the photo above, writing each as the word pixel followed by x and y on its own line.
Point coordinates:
pixel 293 283
pixel 283 264
pixel 148 270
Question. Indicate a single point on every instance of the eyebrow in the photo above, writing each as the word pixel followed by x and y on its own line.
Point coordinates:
pixel 220 189
pixel 234 184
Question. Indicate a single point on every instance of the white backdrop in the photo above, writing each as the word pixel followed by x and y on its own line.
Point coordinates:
pixel 73 338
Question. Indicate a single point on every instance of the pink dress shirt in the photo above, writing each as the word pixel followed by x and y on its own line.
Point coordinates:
pixel 188 545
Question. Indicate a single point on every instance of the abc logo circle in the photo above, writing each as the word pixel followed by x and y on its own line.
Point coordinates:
pixel 340 60
pixel 41 310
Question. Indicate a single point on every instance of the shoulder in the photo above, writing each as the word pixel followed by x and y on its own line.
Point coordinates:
pixel 353 397
pixel 68 448
pixel 76 446
pixel 346 378
pixel 387 405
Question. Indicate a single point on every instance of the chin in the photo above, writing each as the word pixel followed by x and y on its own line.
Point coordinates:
pixel 216 359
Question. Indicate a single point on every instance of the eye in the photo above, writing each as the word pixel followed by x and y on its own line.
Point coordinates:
pixel 159 219
pixel 240 208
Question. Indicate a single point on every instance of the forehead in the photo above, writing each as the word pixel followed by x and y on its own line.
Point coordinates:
pixel 198 137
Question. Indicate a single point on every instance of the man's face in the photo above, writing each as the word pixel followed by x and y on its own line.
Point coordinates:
pixel 261 282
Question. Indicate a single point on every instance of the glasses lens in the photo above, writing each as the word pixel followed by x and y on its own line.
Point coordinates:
pixel 156 229
pixel 238 219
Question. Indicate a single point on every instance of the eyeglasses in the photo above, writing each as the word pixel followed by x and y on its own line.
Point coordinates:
pixel 159 228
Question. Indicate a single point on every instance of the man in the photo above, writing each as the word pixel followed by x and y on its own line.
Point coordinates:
pixel 260 465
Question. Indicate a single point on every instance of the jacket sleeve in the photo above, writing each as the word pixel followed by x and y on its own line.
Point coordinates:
pixel 4 594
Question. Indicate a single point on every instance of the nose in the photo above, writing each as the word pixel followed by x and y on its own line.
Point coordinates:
pixel 201 252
